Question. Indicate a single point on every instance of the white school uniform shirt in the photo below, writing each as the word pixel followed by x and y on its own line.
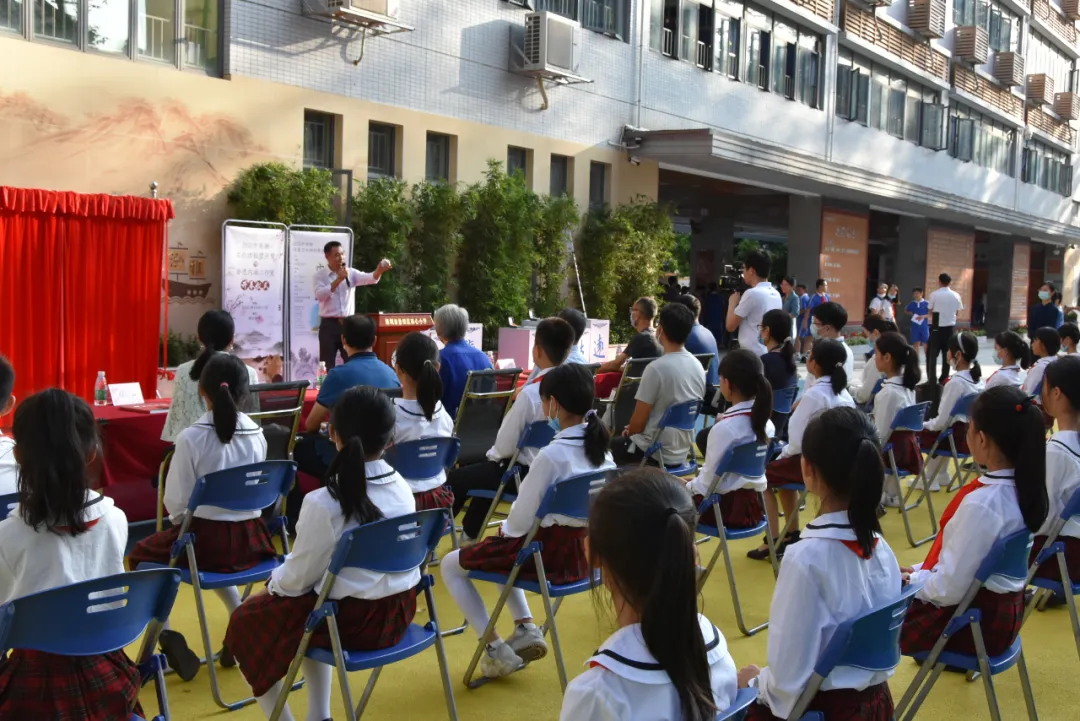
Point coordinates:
pixel 752 307
pixel 318 530
pixel 338 303
pixel 1062 480
pixel 413 425
pixel 731 429
pixel 624 683
pixel 817 398
pixel 890 400
pixel 563 458
pixel 33 561
pixel 198 452
pixel 9 469
pixel 1005 376
pixel 864 390
pixel 822 583
pixel 1035 375
pixel 849 361
pixel 960 386
pixel 527 409
pixel 985 515
pixel 883 306
pixel 946 302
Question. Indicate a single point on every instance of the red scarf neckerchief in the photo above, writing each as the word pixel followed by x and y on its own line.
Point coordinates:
pixel 950 511
pixel 855 548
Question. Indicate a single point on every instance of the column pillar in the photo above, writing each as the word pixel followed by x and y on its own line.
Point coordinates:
pixel 804 239
pixel 908 258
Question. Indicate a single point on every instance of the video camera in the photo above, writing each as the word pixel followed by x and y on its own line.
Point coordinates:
pixel 731 279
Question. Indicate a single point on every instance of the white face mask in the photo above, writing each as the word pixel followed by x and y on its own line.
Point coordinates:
pixel 815 330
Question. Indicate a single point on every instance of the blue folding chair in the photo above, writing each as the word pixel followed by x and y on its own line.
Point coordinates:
pixel 392 545
pixel 536 435
pixel 95 617
pixel 960 410
pixel 1067 587
pixel 910 419
pixel 743 700
pixel 1008 558
pixel 571 498
pixel 745 460
pixel 245 488
pixel 678 417
pixel 424 459
pixel 8 502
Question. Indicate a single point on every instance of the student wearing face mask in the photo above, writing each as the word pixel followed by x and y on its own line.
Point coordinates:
pixel 862 389
pixel 1043 314
pixel 828 322
pixel 1070 336
pixel 1015 357
pixel 881 306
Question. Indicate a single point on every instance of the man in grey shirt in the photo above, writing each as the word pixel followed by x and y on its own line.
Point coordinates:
pixel 674 377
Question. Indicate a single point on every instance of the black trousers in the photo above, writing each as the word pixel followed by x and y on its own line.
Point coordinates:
pixel 939 344
pixel 483 476
pixel 330 342
pixel 702 439
pixel 626 453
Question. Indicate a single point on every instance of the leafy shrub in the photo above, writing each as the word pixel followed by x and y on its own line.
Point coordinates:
pixel 432 245
pixel 382 216
pixel 554 234
pixel 276 193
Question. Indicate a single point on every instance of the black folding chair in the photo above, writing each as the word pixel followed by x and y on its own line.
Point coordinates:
pixel 277 407
pixel 621 408
pixel 484 402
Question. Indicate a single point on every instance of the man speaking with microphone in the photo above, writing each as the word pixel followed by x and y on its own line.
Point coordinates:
pixel 334 288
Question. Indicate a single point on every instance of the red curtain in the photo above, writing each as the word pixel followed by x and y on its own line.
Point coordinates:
pixel 80 288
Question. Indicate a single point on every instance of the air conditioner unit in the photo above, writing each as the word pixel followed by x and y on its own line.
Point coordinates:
pixel 1067 105
pixel 927 17
pixel 552 44
pixel 1071 9
pixel 1009 69
pixel 386 8
pixel 972 44
pixel 1040 89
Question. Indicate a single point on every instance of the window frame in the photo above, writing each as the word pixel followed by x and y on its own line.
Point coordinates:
pixel 391 132
pixel 328 123
pixel 598 200
pixel 442 174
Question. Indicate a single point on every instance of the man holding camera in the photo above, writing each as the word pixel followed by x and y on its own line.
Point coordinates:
pixel 746 309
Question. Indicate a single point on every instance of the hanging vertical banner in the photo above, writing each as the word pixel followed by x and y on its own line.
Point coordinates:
pixel 953 252
pixel 253 292
pixel 844 239
pixel 306 258
pixel 1018 301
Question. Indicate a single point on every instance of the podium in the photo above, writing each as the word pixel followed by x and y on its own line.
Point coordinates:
pixel 390 328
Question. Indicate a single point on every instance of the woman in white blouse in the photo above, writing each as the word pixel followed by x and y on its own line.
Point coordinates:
pixel 899 363
pixel 1015 357
pixel 215 332
pixel 962 355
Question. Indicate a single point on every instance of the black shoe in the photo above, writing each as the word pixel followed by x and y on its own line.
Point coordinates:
pixel 225 658
pixel 181 658
pixel 761 554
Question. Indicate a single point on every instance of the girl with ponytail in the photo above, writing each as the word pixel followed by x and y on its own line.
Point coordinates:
pixel 1044 347
pixel 746 421
pixel 227 541
pixel 580 446
pixel 899 363
pixel 1006 436
pixel 841 568
pixel 420 412
pixel 779 361
pixel 374 608
pixel 966 380
pixel 824 390
pixel 1014 354
pixel 666 661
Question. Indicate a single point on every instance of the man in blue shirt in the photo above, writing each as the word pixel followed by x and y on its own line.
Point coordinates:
pixel 702 341
pixel 457 358
pixel 1043 314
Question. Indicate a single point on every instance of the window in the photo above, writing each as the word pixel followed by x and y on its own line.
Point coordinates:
pixel 108 26
pixel 872 95
pixel 784 38
pixel 382 151
pixel 758 47
pixel 879 99
pixel 809 74
pixel 157 30
pixel 11 15
pixel 517 159
pixel 606 16
pixel 561 175
pixel 201 34
pixel 318 140
pixel 706 35
pixel 1043 57
pixel 688 31
pixel 933 116
pixel 566 8
pixel 438 158
pixel 979 139
pixel 57 20
pixel 912 116
pixel 1046 167
pixel 664 27
pixel 598 182
pixel 1002 26
pixel 727 42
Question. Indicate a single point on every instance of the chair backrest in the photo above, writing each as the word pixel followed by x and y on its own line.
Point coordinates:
pixel 536 435
pixel 877 387
pixel 571 497
pixel 635 367
pixel 1072 507
pixel 244 488
pixel 91 617
pixel 392 545
pixel 910 418
pixel 277 408
pixel 1008 557
pixel 484 402
pixel 747 460
pixel 8 502
pixel 784 398
pixel 705 359
pixel 423 458
pixel 744 698
pixel 681 416
pixel 963 406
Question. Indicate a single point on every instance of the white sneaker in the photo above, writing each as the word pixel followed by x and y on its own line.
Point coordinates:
pixel 466 541
pixel 891 501
pixel 528 643
pixel 499 661
pixel 917 484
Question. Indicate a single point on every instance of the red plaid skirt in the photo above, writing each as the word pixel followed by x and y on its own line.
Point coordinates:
pixel 265 631
pixel 959 434
pixel 1050 570
pixel 563 552
pixel 842 704
pixel 440 497
pixel 36 685
pixel 783 471
pixel 220 546
pixel 740 509
pixel 1002 615
pixel 906 451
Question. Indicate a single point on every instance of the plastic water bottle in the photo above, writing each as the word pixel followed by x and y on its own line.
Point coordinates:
pixel 101 390
pixel 321 375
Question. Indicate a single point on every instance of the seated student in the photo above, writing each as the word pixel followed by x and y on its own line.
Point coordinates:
pixel 226 541
pixel 919 310
pixel 1006 436
pixel 1014 354
pixel 829 320
pixel 666 662
pixel 374 608
pixel 554 336
pixel 778 362
pixel 862 391
pixel 962 355
pixel 457 357
pixel 1070 336
pixel 746 421
pixel 1045 347
pixel 826 390
pixel 899 363
pixel 674 377
pixel 578 352
pixel 419 412
pixel 701 340
pixel 580 446
pixel 642 345
pixel 842 568
pixel 62 533
pixel 216 329
pixel 9 468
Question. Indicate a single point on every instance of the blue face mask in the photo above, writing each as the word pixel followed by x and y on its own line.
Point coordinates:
pixel 554 424
pixel 1044 295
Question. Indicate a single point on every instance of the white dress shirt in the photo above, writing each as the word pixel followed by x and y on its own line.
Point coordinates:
pixel 984 516
pixel 563 458
pixel 624 683
pixel 890 400
pixel 817 398
pixel 864 391
pixel 1062 480
pixel 187 405
pixel 9 469
pixel 752 307
pixel 199 452
pixel 1005 376
pixel 1035 375
pixel 946 302
pixel 849 362
pixel 33 561
pixel 318 530
pixel 883 307
pixel 730 430
pixel 413 425
pixel 527 409
pixel 960 386
pixel 338 303
pixel 822 583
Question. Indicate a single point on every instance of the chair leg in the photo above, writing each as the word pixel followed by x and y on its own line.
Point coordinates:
pixel 924 690
pixel 342 672
pixel 787 526
pixel 1025 684
pixel 545 593
pixel 731 583
pixel 984 669
pixel 922 480
pixel 160 500
pixel 1070 600
pixel 481 645
pixel 917 683
pixel 498 495
pixel 440 651
pixel 366 696
pixel 703 576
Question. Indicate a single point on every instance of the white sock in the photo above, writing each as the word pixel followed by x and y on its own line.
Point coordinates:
pixel 319 677
pixel 230 597
pixel 266 703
